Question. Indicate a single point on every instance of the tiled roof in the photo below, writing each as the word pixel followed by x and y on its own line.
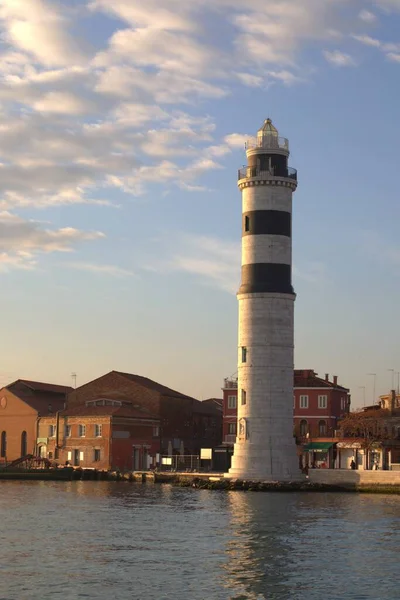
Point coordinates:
pixel 308 378
pixel 45 398
pixel 215 402
pixel 152 385
pixel 39 386
pixel 125 410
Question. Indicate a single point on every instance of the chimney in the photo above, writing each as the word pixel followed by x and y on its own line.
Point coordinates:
pixel 335 380
pixel 326 376
pixel 392 400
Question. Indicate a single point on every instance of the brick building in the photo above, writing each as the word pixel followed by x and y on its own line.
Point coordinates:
pixel 21 404
pixel 185 424
pixel 318 404
pixel 102 434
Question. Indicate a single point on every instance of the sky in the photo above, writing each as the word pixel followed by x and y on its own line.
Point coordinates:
pixel 122 126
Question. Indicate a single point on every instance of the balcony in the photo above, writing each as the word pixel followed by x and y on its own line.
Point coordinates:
pixel 230 383
pixel 269 142
pixel 251 172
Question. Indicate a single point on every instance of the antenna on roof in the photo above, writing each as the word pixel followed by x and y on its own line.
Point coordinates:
pixel 73 375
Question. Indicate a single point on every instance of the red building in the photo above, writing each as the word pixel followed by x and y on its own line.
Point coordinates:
pixel 101 434
pixel 318 404
pixel 185 424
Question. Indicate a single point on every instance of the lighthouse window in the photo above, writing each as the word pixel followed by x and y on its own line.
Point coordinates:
pixel 244 354
pixel 247 223
pixel 243 396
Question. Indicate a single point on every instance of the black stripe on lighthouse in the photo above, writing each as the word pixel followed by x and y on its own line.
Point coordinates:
pixel 266 277
pixel 274 222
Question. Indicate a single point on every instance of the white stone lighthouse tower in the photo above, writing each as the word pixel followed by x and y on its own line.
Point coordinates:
pixel 265 447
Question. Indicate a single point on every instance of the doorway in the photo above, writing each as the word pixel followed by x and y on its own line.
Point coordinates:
pixel 136 459
pixel 76 458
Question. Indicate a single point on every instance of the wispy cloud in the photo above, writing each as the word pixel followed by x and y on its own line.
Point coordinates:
pixel 99 269
pixel 394 57
pixel 22 241
pixel 339 59
pixel 216 262
pixel 367 16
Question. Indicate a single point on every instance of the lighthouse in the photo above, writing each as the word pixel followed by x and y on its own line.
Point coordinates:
pixel 265 448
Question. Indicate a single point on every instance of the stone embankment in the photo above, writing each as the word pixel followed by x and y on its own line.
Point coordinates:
pixel 319 480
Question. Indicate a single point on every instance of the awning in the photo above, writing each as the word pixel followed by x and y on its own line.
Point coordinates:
pixel 318 446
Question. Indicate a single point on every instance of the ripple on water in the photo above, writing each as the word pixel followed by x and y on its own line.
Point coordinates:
pixel 99 540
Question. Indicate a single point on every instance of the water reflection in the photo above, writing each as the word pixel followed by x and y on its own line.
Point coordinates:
pixel 259 549
pixel 153 542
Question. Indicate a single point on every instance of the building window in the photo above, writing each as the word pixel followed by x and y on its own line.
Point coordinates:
pixel 156 431
pixel 244 354
pixel 67 431
pixel 231 401
pixel 322 428
pixel 3 444
pixel 303 401
pixel 52 431
pixel 98 430
pixel 232 428
pixel 24 444
pixel 96 455
pixel 247 223
pixel 82 430
pixel 322 401
pixel 243 397
pixel 303 428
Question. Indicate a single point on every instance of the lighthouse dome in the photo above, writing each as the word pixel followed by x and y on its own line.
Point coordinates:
pixel 267 129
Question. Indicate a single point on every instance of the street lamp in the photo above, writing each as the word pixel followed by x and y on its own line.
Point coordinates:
pixel 374 386
pixel 362 387
pixel 392 371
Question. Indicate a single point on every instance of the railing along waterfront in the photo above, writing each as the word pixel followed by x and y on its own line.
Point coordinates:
pixel 267 141
pixel 247 172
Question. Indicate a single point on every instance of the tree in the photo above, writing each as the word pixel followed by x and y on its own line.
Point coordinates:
pixel 366 427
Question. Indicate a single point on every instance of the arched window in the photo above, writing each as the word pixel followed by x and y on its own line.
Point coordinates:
pixel 322 428
pixel 3 444
pixel 303 428
pixel 24 444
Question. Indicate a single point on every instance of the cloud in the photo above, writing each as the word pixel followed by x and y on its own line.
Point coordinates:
pixel 133 115
pixel 367 40
pixel 339 59
pixel 148 14
pixel 388 5
pixel 110 270
pixel 38 28
pixel 367 16
pixel 250 79
pixel 215 262
pixel 393 57
pixel 63 103
pixel 22 241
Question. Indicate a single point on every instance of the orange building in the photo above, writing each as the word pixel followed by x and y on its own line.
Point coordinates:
pixel 21 404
